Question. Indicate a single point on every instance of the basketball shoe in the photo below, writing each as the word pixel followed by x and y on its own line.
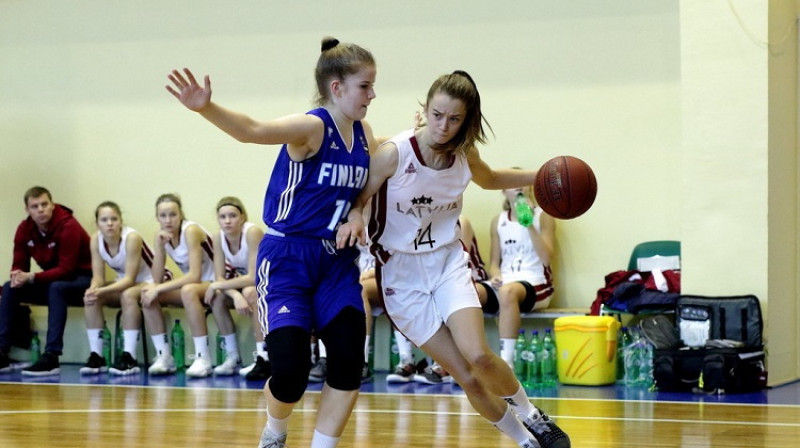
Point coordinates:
pixel 545 431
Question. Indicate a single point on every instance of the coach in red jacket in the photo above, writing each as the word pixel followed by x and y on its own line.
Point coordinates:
pixel 55 240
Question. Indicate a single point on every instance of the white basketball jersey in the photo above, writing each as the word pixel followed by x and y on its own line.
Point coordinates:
pixel 180 253
pixel 417 208
pixel 519 261
pixel 117 262
pixel 237 261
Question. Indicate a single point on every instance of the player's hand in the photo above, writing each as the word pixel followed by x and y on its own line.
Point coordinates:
pixel 350 233
pixel 497 282
pixel 90 296
pixel 148 294
pixel 241 305
pixel 163 237
pixel 188 91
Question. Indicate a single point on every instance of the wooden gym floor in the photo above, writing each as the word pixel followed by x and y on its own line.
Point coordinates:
pixel 70 411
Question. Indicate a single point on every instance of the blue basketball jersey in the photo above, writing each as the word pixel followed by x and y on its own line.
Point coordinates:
pixel 310 198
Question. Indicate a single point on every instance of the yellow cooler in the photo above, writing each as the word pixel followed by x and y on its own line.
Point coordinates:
pixel 586 348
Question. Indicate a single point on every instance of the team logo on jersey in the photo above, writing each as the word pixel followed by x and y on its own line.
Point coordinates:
pixel 510 242
pixel 363 142
pixel 334 145
pixel 422 200
pixel 284 310
pixel 388 291
pixel 330 131
pixel 30 243
pixel 411 169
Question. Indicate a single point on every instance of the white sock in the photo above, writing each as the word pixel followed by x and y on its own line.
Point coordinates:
pixel 520 403
pixel 231 345
pixel 277 426
pixel 512 427
pixel 161 344
pixel 322 352
pixel 95 340
pixel 366 348
pixel 403 348
pixel 130 340
pixel 507 351
pixel 261 351
pixel 201 347
pixel 320 440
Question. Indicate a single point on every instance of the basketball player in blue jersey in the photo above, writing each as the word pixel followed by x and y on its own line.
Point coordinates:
pixel 304 283
pixel 418 179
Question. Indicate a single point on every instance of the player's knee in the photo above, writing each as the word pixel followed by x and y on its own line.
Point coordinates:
pixel 345 332
pixel 290 353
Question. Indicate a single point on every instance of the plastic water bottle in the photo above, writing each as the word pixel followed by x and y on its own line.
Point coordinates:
pixel 221 352
pixel 178 345
pixel 36 347
pixel 106 335
pixel 519 361
pixel 549 367
pixel 534 375
pixel 632 353
pixel 394 352
pixel 371 354
pixel 645 364
pixel 119 345
pixel 623 341
pixel 523 209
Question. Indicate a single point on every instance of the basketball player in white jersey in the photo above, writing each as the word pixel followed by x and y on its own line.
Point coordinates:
pixel 189 246
pixel 520 266
pixel 418 179
pixel 235 250
pixel 122 249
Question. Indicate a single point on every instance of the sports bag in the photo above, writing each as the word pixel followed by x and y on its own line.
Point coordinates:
pixel 738 318
pixel 710 370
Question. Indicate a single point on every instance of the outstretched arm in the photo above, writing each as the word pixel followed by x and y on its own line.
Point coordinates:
pixel 302 133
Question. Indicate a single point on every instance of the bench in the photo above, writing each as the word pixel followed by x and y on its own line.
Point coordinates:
pixel 549 313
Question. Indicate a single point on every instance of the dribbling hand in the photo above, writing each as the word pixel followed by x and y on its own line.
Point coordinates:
pixel 188 91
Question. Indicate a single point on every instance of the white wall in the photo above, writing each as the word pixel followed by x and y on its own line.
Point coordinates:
pixel 673 122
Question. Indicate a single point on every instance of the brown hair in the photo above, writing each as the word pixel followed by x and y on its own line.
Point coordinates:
pixel 110 204
pixel 233 202
pixel 171 197
pixel 35 192
pixel 460 85
pixel 337 61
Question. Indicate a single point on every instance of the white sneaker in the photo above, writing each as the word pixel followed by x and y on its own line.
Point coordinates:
pixel 163 365
pixel 245 370
pixel 200 368
pixel 228 367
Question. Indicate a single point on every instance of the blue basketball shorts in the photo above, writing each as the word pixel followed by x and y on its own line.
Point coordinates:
pixel 305 282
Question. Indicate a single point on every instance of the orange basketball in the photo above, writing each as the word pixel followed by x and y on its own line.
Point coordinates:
pixel 565 187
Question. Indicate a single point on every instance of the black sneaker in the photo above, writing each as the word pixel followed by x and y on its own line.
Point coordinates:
pixel 125 365
pixel 545 431
pixel 5 363
pixel 366 374
pixel 262 370
pixel 319 372
pixel 96 364
pixel 46 365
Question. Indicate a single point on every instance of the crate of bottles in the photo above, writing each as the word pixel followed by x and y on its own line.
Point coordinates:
pixel 586 347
